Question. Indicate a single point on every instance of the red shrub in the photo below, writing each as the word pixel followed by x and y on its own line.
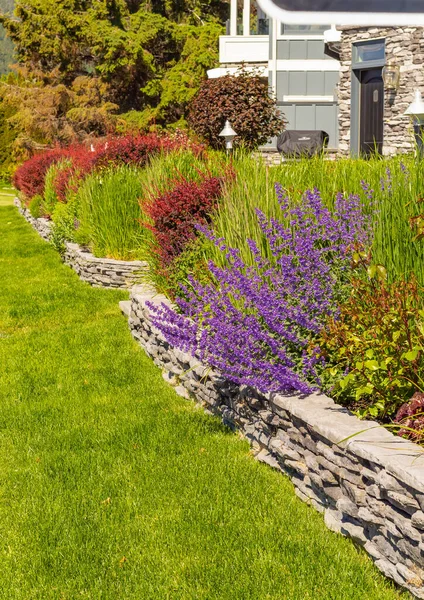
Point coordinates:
pixel 29 177
pixel 129 149
pixel 175 214
pixel 411 417
pixel 136 150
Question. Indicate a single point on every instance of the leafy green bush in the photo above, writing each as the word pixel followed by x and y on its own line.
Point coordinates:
pixel 191 262
pixel 65 223
pixel 36 206
pixel 109 213
pixel 375 348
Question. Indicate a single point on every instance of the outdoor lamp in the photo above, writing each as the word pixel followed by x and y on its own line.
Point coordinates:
pixel 229 134
pixel 416 110
pixel 391 76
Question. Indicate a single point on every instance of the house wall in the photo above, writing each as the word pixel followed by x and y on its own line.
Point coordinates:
pixel 405 47
pixel 306 79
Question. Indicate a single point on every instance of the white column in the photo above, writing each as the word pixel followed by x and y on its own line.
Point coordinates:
pixel 233 17
pixel 246 17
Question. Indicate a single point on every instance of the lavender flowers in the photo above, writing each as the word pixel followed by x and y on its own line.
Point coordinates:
pixel 255 323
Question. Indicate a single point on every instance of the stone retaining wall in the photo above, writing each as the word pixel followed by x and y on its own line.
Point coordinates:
pixel 369 487
pixel 98 272
pixel 42 226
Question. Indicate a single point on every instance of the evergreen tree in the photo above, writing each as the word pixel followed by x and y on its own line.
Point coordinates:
pixel 104 63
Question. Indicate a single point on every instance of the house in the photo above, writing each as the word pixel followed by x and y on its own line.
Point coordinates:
pixel 301 75
pixel 371 114
pixel 331 79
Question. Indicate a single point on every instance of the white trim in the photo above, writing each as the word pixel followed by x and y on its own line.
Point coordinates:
pixel 370 19
pixel 241 48
pixel 292 36
pixel 308 99
pixel 304 65
pixel 332 35
pixel 221 71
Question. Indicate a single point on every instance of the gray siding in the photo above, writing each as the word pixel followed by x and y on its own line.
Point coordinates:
pixel 301 50
pixel 312 116
pixel 306 83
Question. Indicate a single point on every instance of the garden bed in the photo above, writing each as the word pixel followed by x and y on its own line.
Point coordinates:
pixel 370 486
pixel 99 272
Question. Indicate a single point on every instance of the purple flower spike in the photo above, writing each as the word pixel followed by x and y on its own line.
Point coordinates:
pixel 255 323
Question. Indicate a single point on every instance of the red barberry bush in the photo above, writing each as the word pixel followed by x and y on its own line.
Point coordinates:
pixel 29 177
pixel 174 214
pixel 244 100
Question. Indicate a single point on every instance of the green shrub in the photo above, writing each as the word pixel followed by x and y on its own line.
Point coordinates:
pixel 375 348
pixel 109 213
pixel 65 223
pixel 36 206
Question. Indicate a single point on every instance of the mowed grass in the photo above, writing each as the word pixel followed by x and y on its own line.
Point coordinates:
pixel 112 487
pixel 7 194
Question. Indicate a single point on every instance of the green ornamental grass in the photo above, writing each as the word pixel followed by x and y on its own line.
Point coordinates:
pixel 398 185
pixel 109 213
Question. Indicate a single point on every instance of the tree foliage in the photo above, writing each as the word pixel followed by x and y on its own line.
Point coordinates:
pixel 84 62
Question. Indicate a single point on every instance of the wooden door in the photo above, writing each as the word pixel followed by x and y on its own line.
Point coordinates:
pixel 371 112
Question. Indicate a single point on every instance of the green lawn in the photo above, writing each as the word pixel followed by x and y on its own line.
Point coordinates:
pixel 114 488
pixel 7 194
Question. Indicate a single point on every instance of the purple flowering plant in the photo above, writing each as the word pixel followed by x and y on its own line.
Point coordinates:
pixel 255 324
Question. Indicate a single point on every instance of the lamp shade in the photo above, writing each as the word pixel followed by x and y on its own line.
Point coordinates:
pixel 391 76
pixel 416 108
pixel 228 132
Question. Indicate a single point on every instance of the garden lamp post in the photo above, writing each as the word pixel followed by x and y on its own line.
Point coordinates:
pixel 228 134
pixel 416 110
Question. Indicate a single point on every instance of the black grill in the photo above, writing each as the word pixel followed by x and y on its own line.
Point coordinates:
pixel 295 144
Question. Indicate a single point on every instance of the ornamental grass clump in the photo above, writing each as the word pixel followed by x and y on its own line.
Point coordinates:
pixel 109 214
pixel 254 323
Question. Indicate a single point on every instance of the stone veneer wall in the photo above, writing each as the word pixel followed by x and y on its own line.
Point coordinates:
pixel 405 47
pixel 98 272
pixel 370 487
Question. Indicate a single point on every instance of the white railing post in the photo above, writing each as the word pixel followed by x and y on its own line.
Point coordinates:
pixel 233 17
pixel 246 17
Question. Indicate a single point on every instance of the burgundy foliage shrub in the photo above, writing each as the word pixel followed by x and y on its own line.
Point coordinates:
pixel 29 177
pixel 129 149
pixel 411 417
pixel 245 101
pixel 175 214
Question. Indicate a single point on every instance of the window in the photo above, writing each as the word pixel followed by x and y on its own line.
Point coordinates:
pixel 303 29
pixel 368 51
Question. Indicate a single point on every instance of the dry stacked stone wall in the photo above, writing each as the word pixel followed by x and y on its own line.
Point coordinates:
pixel 404 47
pixel 98 272
pixel 370 487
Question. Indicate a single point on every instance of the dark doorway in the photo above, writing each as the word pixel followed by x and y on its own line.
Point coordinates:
pixel 371 112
